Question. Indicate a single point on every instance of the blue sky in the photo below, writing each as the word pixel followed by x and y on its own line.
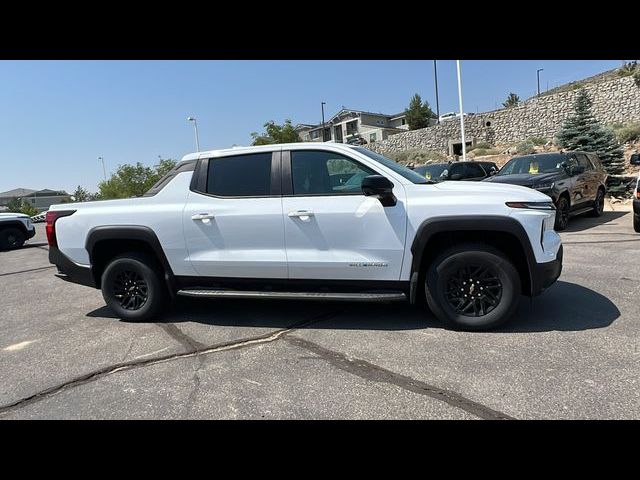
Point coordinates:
pixel 57 117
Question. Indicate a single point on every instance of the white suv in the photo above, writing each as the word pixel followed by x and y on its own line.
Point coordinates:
pixel 324 222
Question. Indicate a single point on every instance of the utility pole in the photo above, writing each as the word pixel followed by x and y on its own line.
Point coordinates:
pixel 195 126
pixel 104 172
pixel 435 73
pixel 464 146
pixel 538 75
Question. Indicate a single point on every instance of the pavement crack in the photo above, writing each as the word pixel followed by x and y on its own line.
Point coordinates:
pixel 133 364
pixel 26 271
pixel 369 371
pixel 190 344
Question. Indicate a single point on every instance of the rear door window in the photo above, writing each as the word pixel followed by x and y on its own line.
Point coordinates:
pixel 473 170
pixel 240 175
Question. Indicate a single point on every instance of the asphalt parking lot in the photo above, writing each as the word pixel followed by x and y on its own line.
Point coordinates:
pixel 572 353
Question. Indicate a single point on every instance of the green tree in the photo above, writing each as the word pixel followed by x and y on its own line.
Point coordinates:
pixel 28 209
pixel 581 131
pixel 418 113
pixel 14 205
pixel 82 195
pixel 511 101
pixel 275 133
pixel 18 205
pixel 133 180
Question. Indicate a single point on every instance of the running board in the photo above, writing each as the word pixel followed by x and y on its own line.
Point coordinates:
pixel 334 296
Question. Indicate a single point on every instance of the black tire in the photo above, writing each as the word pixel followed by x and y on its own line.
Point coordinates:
pixel 133 288
pixel 488 269
pixel 636 222
pixel 598 206
pixel 562 213
pixel 11 238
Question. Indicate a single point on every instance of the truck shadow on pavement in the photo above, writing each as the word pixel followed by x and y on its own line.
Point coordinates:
pixel 583 222
pixel 563 307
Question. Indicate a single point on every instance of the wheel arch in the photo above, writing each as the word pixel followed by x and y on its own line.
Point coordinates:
pixel 105 242
pixel 504 233
pixel 14 224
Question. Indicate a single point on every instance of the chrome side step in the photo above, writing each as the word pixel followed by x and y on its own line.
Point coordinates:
pixel 333 296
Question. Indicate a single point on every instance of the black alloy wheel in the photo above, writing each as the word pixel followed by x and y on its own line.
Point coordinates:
pixel 473 291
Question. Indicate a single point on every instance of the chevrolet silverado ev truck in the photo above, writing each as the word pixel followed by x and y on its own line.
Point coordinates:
pixel 320 222
pixel 15 229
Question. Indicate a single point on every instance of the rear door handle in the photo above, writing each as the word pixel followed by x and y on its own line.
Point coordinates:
pixel 301 214
pixel 202 216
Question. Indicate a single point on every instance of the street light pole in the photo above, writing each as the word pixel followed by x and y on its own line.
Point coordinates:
pixel 538 75
pixel 104 172
pixel 322 107
pixel 464 147
pixel 195 126
pixel 435 73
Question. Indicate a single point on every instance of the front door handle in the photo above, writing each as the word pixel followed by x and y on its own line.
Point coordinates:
pixel 202 216
pixel 302 214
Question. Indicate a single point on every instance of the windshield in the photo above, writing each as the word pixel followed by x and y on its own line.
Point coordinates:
pixel 396 167
pixel 533 164
pixel 431 172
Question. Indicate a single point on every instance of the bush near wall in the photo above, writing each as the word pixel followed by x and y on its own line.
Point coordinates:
pixel 417 156
pixel 626 133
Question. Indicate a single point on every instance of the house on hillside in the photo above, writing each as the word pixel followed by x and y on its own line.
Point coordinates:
pixel 41 200
pixel 354 125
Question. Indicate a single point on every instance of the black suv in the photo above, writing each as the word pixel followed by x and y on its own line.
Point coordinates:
pixel 469 171
pixel 576 181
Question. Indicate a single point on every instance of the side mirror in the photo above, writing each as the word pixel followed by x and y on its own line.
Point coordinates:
pixel 635 159
pixel 381 188
pixel 455 176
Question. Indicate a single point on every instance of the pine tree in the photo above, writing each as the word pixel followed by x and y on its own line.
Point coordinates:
pixel 511 101
pixel 581 131
pixel 418 113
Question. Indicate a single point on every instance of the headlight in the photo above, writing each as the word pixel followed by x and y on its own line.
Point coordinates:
pixel 543 186
pixel 532 205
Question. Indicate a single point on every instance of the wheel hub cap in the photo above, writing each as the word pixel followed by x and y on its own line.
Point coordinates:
pixel 130 289
pixel 473 291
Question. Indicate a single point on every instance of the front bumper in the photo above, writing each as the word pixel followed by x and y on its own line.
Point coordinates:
pixel 70 271
pixel 544 275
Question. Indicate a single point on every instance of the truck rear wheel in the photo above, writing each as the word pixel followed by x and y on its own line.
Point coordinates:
pixel 132 287
pixel 11 238
pixel 472 287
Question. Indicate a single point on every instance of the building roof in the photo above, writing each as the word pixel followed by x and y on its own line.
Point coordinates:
pixel 17 192
pixel 28 192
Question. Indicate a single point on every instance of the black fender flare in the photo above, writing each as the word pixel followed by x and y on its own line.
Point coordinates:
pixel 488 223
pixel 15 224
pixel 130 232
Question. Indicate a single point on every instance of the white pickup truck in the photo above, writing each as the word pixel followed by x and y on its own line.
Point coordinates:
pixel 15 229
pixel 321 222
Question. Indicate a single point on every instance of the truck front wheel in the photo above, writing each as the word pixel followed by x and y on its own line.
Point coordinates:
pixel 472 287
pixel 132 287
pixel 11 238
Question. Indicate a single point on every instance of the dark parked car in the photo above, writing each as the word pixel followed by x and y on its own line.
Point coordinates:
pixel 469 171
pixel 636 206
pixel 576 181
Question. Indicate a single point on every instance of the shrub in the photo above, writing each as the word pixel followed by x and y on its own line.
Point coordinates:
pixel 479 152
pixel 481 145
pixel 525 147
pixel 537 141
pixel 626 133
pixel 417 156
pixel 636 77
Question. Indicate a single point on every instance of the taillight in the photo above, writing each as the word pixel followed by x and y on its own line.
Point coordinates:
pixel 50 228
pixel 638 193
